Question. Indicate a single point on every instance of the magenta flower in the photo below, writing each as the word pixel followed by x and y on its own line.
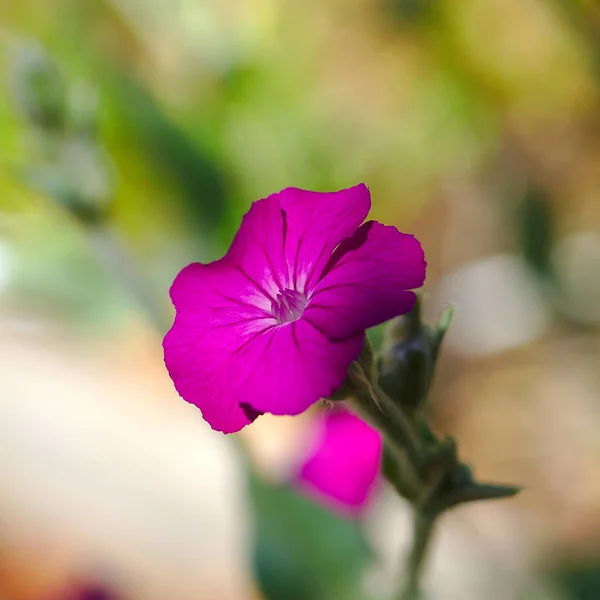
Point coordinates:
pixel 341 469
pixel 274 324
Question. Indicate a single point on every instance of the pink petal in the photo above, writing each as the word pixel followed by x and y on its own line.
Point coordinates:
pixel 365 283
pixel 214 319
pixel 220 291
pixel 200 383
pixel 316 224
pixel 285 240
pixel 290 367
pixel 258 247
pixel 342 467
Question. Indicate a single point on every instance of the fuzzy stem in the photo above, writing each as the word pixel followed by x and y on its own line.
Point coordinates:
pixel 423 526
pixel 403 441
pixel 393 423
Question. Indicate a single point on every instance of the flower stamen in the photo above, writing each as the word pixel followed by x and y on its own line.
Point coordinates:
pixel 288 306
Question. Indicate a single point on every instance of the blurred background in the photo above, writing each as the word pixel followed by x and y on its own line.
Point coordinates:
pixel 133 136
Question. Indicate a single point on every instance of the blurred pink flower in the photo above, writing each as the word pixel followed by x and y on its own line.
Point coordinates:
pixel 84 591
pixel 274 324
pixel 342 467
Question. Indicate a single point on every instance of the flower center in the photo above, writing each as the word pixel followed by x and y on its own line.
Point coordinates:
pixel 288 306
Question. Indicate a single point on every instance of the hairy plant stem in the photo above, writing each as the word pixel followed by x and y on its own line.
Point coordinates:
pixel 391 421
pixel 423 526
pixel 407 451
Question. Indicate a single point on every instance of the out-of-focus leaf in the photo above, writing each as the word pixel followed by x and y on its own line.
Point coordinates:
pixel 200 179
pixel 304 551
pixel 581 582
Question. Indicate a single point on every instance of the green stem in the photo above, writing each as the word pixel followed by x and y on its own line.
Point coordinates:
pixel 423 526
pixel 392 422
pixel 402 439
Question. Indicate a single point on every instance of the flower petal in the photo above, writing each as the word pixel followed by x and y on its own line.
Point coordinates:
pixel 344 463
pixel 316 223
pixel 365 282
pixel 290 367
pixel 199 383
pixel 214 319
pixel 285 240
pixel 258 247
pixel 219 290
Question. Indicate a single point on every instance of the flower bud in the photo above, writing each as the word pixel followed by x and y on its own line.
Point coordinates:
pixel 407 363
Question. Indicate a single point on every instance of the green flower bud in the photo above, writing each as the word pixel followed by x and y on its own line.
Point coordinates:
pixel 407 363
